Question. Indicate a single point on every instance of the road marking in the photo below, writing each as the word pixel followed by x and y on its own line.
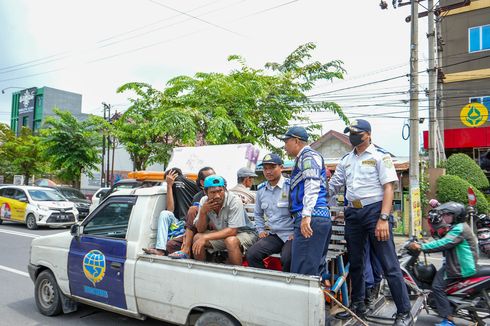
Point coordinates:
pixel 15 271
pixel 22 234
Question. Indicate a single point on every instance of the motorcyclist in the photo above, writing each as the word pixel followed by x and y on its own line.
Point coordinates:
pixel 458 244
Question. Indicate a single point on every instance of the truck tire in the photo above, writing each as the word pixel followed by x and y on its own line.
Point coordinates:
pixel 47 294
pixel 31 222
pixel 216 318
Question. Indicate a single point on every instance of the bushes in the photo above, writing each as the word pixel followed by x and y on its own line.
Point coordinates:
pixel 464 167
pixel 454 188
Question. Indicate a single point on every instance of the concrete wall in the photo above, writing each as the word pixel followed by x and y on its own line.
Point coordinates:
pixel 55 98
pixel 333 148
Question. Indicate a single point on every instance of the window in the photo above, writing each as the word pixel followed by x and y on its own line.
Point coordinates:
pixel 25 121
pixel 111 221
pixel 485 100
pixel 7 192
pixel 20 195
pixel 46 195
pixel 479 38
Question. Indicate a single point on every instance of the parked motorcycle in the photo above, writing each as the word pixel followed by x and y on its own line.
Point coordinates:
pixel 482 230
pixel 469 297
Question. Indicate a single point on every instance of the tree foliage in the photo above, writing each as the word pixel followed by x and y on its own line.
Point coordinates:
pixel 454 188
pixel 151 127
pixel 463 166
pixel 72 146
pixel 23 154
pixel 246 105
pixel 251 105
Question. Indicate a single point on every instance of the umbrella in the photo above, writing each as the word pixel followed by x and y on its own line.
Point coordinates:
pixel 45 183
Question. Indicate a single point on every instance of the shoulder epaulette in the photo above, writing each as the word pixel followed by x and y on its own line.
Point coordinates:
pixel 382 151
pixel 261 185
pixel 344 156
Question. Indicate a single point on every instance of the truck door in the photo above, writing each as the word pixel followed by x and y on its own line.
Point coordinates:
pixel 97 257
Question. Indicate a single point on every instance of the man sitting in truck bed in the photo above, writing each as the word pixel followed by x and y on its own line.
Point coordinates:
pixel 224 212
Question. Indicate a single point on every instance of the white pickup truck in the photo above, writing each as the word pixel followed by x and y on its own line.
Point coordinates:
pixel 101 263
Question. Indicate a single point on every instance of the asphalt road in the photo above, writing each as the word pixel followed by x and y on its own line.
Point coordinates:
pixel 17 305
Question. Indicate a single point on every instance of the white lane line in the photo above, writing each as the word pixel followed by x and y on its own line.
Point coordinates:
pixel 15 271
pixel 22 234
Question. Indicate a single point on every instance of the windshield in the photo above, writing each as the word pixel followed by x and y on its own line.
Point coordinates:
pixel 46 195
pixel 72 193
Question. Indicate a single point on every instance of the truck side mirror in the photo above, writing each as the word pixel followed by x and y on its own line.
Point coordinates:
pixel 76 230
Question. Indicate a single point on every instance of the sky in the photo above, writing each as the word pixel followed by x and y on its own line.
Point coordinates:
pixel 93 47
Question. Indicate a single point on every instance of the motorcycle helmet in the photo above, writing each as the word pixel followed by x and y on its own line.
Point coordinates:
pixel 457 210
pixel 424 273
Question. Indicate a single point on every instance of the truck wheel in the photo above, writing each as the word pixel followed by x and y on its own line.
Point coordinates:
pixel 31 222
pixel 47 294
pixel 216 318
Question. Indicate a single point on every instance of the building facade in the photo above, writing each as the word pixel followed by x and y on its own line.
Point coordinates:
pixel 31 106
pixel 464 46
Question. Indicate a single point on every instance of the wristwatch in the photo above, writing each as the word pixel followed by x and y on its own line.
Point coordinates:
pixel 384 216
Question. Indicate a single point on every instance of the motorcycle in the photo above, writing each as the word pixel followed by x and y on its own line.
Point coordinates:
pixel 470 297
pixel 482 231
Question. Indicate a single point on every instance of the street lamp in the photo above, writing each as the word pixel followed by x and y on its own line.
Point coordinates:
pixel 3 90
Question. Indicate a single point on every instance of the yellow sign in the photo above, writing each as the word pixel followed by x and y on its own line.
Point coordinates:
pixel 416 210
pixel 473 114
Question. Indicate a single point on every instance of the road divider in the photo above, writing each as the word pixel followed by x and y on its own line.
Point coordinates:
pixel 12 270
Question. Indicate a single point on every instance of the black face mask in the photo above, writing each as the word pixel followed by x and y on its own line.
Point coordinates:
pixel 355 139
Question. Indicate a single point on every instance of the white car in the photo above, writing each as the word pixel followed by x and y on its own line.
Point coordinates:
pixel 97 196
pixel 36 206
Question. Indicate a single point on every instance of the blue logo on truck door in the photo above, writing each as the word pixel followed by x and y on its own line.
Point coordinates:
pixel 96 269
pixel 94 266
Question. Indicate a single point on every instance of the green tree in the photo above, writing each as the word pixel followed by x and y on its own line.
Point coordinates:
pixel 73 146
pixel 152 127
pixel 454 188
pixel 465 167
pixel 251 105
pixel 24 153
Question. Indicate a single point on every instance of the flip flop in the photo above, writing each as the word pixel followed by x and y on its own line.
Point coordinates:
pixel 154 251
pixel 179 255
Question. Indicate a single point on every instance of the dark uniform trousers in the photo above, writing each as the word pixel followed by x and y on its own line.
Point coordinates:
pixel 309 254
pixel 360 224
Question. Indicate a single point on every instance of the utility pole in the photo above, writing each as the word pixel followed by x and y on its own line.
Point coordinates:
pixel 108 174
pixel 431 36
pixel 414 121
pixel 102 178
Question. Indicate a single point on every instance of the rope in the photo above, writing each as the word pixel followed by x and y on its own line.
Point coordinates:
pixel 327 293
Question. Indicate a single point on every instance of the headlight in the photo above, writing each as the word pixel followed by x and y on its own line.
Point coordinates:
pixel 43 208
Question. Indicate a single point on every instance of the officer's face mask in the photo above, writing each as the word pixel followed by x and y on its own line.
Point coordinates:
pixel 355 139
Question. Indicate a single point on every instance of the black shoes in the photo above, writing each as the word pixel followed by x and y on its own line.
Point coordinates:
pixel 403 319
pixel 372 294
pixel 358 308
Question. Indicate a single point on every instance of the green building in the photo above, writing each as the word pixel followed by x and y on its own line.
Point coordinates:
pixel 32 105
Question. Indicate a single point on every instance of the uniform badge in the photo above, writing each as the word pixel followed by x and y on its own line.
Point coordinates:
pixel 307 164
pixel 387 162
pixel 369 162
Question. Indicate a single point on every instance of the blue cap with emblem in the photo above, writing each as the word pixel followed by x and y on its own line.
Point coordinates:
pixel 358 125
pixel 271 158
pixel 295 132
pixel 214 181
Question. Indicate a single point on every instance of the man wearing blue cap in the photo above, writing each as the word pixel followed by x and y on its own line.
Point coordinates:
pixel 308 205
pixel 368 175
pixel 223 212
pixel 272 201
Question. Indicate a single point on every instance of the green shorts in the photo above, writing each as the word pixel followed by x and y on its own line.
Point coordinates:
pixel 247 239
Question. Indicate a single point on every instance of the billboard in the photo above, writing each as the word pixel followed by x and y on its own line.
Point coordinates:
pixel 27 101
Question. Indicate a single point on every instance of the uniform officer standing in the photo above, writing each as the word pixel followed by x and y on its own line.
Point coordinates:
pixel 272 201
pixel 368 174
pixel 308 205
